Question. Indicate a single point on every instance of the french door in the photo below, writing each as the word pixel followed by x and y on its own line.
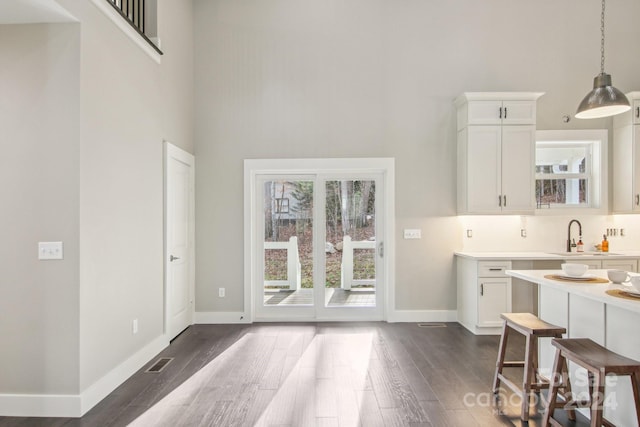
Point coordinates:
pixel 319 245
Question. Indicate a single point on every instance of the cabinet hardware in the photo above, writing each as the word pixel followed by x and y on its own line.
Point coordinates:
pixel 381 249
pixel 495 269
pixel 481 289
pixel 637 199
pixel 500 201
pixel 637 112
pixel 505 112
pixel 504 203
pixel 500 115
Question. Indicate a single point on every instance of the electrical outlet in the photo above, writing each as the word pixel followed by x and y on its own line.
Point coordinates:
pixel 523 232
pixel 221 292
pixel 412 233
pixel 469 233
pixel 134 326
pixel 50 250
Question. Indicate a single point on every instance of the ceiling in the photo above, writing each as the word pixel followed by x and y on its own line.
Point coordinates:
pixel 32 11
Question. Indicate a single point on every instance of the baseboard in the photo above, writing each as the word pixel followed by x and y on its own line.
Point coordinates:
pixel 218 317
pixel 105 385
pixel 74 405
pixel 39 405
pixel 423 316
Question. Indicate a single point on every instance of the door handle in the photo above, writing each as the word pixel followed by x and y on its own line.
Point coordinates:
pixel 637 199
pixel 505 112
pixel 481 289
pixel 500 114
pixel 637 112
pixel 173 258
pixel 381 249
pixel 504 203
pixel 499 201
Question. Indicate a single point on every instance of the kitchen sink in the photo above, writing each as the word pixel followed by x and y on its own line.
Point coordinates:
pixel 579 254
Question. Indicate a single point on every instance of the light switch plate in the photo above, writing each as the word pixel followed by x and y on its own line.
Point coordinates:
pixel 412 233
pixel 50 250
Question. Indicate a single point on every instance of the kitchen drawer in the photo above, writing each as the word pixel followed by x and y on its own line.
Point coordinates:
pixel 493 268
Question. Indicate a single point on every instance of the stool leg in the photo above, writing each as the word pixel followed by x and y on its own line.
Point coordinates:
pixel 597 398
pixel 554 384
pixel 501 354
pixel 568 394
pixel 529 373
pixel 635 384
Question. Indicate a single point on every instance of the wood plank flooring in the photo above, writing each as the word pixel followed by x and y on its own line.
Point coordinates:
pixel 313 374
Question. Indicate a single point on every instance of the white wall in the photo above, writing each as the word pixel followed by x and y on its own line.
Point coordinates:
pixel 83 115
pixel 39 83
pixel 291 78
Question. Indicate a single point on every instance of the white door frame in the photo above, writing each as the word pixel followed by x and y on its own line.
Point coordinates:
pixel 330 167
pixel 172 151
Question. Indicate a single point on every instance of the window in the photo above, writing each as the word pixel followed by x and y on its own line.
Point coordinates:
pixel 571 170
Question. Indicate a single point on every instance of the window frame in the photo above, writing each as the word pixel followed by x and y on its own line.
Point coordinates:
pixel 597 163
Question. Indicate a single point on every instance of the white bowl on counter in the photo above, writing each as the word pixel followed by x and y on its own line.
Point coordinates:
pixel 574 270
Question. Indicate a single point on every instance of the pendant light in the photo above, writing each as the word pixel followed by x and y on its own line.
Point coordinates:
pixel 604 100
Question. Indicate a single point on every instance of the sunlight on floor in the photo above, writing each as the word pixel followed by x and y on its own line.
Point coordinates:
pixel 293 378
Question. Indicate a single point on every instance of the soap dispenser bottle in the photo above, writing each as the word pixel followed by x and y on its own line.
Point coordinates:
pixel 605 243
pixel 580 245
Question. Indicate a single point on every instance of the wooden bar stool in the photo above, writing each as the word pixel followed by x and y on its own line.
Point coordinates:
pixel 599 362
pixel 532 328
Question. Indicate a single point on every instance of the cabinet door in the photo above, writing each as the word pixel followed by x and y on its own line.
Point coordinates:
pixel 484 112
pixel 620 264
pixel 623 182
pixel 518 176
pixel 494 298
pixel 483 169
pixel 636 168
pixel 594 264
pixel 519 113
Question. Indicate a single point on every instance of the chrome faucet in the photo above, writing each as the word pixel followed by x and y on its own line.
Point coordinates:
pixel 569 244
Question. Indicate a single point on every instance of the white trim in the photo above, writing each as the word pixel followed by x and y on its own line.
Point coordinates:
pixel 220 317
pixel 423 316
pixel 73 405
pixel 105 385
pixel 255 167
pixel 599 141
pixel 111 13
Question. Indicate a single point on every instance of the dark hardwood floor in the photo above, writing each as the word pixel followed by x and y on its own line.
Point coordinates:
pixel 313 374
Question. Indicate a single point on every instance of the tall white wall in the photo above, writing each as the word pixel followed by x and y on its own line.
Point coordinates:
pixel 291 78
pixel 83 115
pixel 39 171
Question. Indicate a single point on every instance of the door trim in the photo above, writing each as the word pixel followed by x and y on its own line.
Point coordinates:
pixel 255 167
pixel 169 151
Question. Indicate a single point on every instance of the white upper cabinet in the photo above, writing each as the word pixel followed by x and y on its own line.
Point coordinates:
pixel 626 158
pixel 496 153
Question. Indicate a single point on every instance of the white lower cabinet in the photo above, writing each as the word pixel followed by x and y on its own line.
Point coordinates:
pixel 607 325
pixel 484 292
pixel 620 264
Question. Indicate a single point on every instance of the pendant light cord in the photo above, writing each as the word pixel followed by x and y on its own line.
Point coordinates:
pixel 602 40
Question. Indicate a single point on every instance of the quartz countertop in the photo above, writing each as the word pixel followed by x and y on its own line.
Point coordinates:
pixel 525 256
pixel 594 291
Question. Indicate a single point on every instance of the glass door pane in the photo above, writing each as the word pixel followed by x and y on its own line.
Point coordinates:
pixel 350 248
pixel 288 243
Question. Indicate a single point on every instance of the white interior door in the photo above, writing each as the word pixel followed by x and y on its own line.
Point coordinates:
pixel 179 239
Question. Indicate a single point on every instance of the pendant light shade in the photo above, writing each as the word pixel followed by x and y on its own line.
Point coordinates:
pixel 604 100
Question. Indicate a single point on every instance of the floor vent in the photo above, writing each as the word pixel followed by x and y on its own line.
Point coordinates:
pixel 159 365
pixel 431 325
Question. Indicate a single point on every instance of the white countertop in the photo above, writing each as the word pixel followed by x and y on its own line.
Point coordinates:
pixel 594 291
pixel 526 256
